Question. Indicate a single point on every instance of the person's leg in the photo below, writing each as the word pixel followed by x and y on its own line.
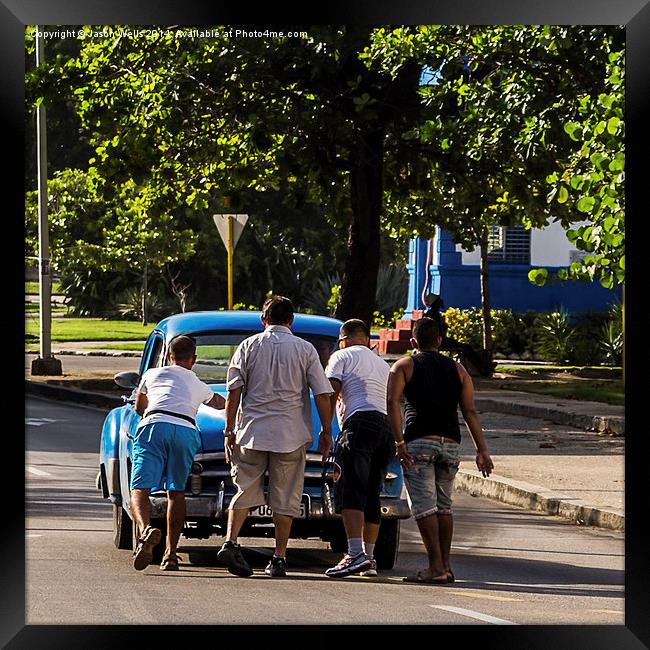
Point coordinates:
pixel 353 523
pixel 429 531
pixel 420 479
pixel 282 531
pixel 175 519
pixel 286 482
pixel 148 462
pixel 140 508
pixel 248 467
pixel 446 470
pixel 445 533
pixel 236 519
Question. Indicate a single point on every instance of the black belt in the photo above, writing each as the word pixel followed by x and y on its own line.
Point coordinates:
pixel 176 415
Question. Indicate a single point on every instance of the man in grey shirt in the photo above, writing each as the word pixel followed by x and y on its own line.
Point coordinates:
pixel 270 374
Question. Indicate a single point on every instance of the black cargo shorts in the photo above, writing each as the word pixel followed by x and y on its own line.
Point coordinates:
pixel 364 448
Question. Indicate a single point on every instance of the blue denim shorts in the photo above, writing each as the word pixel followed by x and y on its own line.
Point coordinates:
pixel 162 456
pixel 430 480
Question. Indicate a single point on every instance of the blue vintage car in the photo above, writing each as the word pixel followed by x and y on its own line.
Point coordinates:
pixel 209 487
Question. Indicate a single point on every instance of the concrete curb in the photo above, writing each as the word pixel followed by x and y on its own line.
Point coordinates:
pixel 612 424
pixel 541 499
pixel 72 395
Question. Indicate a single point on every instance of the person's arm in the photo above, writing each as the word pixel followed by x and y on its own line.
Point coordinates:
pixel 324 408
pixel 141 399
pixel 468 409
pixel 216 402
pixel 141 403
pixel 396 384
pixel 232 404
pixel 321 389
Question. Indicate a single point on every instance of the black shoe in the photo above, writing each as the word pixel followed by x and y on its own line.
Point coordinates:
pixel 230 554
pixel 277 567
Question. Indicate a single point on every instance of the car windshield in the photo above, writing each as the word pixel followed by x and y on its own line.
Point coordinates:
pixel 214 351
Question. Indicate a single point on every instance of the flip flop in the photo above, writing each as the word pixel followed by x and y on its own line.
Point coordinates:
pixel 143 553
pixel 170 562
pixel 419 579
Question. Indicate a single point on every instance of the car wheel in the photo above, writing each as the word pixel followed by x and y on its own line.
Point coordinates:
pixel 159 549
pixel 387 544
pixel 122 528
pixel 338 539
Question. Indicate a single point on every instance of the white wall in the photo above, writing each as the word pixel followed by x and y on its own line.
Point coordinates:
pixel 548 247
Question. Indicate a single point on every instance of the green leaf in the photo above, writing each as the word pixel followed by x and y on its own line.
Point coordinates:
pixel 562 195
pixel 612 125
pixel 538 276
pixel 586 204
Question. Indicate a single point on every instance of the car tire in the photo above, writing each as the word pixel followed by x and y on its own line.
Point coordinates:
pixel 338 539
pixel 122 528
pixel 387 544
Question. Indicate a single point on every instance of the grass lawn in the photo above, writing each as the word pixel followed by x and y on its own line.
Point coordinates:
pixel 32 287
pixel 604 372
pixel 91 329
pixel 608 391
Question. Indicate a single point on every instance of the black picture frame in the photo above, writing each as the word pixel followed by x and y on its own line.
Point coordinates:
pixel 633 14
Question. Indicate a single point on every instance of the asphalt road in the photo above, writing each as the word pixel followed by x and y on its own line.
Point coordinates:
pixel 512 566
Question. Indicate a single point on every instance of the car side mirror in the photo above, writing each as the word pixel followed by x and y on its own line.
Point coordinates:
pixel 127 380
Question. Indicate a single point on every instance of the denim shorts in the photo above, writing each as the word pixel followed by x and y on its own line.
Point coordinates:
pixel 162 456
pixel 430 480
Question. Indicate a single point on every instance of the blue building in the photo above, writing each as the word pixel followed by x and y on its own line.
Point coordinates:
pixel 439 266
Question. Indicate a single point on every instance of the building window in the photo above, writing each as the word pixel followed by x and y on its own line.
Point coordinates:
pixel 509 245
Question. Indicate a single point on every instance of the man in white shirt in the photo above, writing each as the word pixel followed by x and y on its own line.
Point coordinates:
pixel 164 447
pixel 364 447
pixel 271 373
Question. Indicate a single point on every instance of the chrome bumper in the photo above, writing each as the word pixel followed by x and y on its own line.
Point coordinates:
pixel 213 507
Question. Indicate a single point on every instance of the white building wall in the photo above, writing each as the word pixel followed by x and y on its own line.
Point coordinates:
pixel 549 246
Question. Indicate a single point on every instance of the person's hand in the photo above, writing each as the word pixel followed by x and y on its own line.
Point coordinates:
pixel 484 463
pixel 229 445
pixel 325 443
pixel 405 458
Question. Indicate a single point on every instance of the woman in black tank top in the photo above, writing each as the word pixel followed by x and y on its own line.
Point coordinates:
pixel 432 396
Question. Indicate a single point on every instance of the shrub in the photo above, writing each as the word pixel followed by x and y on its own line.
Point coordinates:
pixel 555 336
pixel 128 306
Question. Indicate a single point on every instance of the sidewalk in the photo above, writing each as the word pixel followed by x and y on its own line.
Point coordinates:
pixel 573 468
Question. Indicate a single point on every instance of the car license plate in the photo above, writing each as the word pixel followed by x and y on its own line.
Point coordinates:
pixel 266 512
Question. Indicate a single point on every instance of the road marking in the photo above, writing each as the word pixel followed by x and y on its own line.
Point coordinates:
pixel 32 535
pixel 471 594
pixel 39 422
pixel 37 472
pixel 608 611
pixel 472 614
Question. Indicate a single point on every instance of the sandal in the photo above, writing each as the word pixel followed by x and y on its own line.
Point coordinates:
pixel 143 553
pixel 169 562
pixel 418 578
pixel 450 576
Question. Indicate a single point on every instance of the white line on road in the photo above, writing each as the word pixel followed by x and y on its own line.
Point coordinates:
pixel 33 535
pixel 39 422
pixel 37 472
pixel 472 614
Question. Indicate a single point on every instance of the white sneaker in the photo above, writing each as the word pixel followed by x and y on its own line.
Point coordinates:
pixel 372 571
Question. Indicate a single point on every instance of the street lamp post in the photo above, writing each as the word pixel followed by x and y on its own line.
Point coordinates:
pixel 45 364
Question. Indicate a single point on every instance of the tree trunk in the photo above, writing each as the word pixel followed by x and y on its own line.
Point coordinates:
pixel 485 293
pixel 144 295
pixel 359 284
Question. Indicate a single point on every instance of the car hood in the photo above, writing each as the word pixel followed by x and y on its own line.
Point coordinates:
pixel 212 422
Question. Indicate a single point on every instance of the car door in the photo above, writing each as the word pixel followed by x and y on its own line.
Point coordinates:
pixel 151 358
